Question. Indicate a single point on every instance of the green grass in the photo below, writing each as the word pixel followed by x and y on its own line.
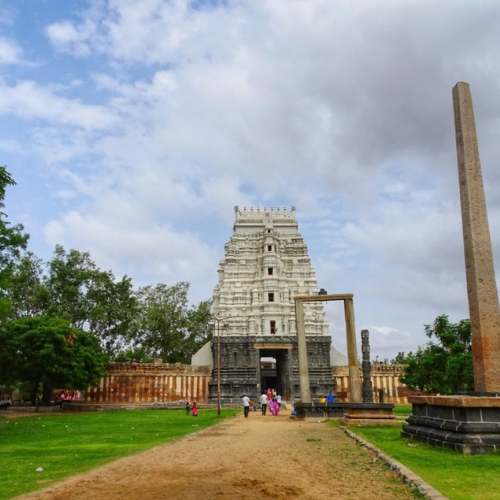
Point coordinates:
pixel 459 477
pixel 402 410
pixel 66 444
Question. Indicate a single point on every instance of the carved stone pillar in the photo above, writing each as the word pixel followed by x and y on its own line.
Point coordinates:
pixel 367 367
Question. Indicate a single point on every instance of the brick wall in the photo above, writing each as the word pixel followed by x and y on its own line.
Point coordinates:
pixel 150 383
pixel 385 377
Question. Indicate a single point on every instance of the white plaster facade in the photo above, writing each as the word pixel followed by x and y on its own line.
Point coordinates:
pixel 266 264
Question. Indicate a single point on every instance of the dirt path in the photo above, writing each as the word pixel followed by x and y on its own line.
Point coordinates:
pixel 253 458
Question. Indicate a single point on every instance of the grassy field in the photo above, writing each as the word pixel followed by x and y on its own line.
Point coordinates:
pixel 402 410
pixel 456 476
pixel 66 444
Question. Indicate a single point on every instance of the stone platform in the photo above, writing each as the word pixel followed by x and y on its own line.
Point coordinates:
pixel 370 414
pixel 468 424
pixel 351 412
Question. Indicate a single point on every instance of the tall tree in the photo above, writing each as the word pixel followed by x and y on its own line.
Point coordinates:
pixel 48 353
pixel 26 289
pixel 445 366
pixel 90 298
pixel 167 327
pixel 12 241
pixel 71 286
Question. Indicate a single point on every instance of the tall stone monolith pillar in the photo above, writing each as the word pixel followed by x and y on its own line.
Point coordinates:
pixel 481 284
pixel 468 423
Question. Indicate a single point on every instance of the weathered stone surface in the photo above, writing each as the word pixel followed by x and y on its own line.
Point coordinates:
pixel 455 401
pixel 459 424
pixel 355 411
pixel 241 368
pixel 367 367
pixel 481 284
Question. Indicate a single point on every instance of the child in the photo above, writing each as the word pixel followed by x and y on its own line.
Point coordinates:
pixel 195 409
pixel 188 408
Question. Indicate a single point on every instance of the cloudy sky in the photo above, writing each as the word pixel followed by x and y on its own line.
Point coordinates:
pixel 133 128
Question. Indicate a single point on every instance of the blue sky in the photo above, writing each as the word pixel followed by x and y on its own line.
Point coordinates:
pixel 133 128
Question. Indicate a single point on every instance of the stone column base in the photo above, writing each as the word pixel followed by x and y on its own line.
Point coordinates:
pixel 467 424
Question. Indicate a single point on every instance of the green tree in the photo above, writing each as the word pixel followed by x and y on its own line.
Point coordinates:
pixel 401 358
pixel 445 366
pixel 12 241
pixel 71 286
pixel 48 353
pixel 90 298
pixel 133 355
pixel 26 290
pixel 167 327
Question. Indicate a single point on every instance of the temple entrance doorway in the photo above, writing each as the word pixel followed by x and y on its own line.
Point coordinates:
pixel 273 371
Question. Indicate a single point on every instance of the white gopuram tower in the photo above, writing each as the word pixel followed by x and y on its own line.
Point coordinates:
pixel 266 264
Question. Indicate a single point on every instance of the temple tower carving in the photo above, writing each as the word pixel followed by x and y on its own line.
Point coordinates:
pixel 266 264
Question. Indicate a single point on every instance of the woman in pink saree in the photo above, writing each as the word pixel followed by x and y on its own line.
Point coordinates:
pixel 274 407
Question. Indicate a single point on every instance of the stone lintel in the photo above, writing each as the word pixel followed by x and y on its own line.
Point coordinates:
pixel 323 298
pixel 272 346
pixel 456 401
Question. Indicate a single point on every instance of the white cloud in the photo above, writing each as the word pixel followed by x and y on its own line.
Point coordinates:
pixel 30 101
pixel 10 51
pixel 158 117
pixel 68 37
pixel 155 253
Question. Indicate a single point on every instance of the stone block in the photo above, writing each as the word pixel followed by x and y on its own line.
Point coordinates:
pixel 467 431
pixel 490 415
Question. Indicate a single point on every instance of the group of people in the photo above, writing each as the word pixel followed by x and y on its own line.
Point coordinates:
pixel 68 395
pixel 330 398
pixel 191 409
pixel 269 398
pixel 63 396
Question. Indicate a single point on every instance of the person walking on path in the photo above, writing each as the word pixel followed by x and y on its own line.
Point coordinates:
pixel 195 409
pixel 275 409
pixel 278 400
pixel 246 405
pixel 263 403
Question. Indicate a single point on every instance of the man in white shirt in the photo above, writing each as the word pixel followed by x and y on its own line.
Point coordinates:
pixel 263 403
pixel 246 405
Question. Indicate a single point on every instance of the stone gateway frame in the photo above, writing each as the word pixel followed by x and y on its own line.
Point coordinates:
pixel 352 355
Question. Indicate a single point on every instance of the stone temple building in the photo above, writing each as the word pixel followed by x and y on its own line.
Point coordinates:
pixel 266 264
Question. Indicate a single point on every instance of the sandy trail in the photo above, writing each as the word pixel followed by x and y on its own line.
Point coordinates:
pixel 257 457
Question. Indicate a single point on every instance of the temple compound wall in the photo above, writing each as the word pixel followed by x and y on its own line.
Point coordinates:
pixel 136 383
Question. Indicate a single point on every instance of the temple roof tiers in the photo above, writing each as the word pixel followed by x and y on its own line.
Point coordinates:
pixel 266 264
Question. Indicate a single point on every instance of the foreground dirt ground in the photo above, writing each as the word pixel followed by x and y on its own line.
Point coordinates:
pixel 253 458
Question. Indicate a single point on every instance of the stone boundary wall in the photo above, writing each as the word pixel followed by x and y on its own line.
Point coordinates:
pixel 140 383
pixel 143 383
pixel 385 377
